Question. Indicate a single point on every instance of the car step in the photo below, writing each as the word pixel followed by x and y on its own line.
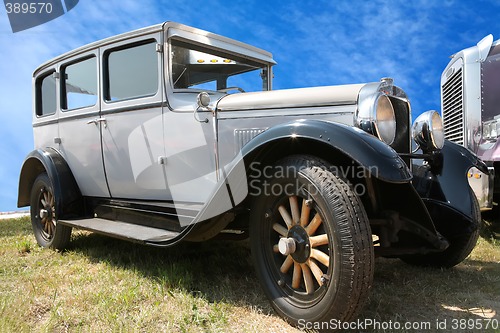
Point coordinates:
pixel 123 230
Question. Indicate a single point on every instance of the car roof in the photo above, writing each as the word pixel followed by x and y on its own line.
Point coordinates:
pixel 181 29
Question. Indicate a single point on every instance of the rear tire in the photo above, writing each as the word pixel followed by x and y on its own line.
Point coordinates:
pixel 48 232
pixel 330 272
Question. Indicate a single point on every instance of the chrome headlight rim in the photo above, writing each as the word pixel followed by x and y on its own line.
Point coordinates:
pixel 376 116
pixel 428 131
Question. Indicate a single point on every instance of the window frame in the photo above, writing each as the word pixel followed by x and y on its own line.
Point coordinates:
pixel 105 70
pixel 63 99
pixel 39 93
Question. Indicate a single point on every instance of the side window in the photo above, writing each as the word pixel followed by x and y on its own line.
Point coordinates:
pixel 131 72
pixel 80 84
pixel 46 95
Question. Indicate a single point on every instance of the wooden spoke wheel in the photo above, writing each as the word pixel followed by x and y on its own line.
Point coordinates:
pixel 311 242
pixel 44 215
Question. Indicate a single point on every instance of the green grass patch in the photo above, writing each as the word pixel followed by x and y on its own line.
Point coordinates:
pixel 106 285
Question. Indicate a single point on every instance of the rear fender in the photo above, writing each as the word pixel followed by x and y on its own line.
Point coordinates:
pixel 66 191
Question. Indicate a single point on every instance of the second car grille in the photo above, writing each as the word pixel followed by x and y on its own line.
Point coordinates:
pixel 453 115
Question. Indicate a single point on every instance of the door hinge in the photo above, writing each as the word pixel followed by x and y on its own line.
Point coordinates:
pixel 159 48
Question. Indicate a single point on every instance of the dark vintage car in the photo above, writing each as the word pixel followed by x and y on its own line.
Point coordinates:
pixel 170 134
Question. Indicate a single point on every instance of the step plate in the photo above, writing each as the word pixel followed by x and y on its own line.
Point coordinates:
pixel 122 230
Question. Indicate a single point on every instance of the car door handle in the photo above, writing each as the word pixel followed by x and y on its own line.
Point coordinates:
pixel 98 120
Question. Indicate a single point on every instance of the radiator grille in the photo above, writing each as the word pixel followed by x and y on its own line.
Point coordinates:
pixel 244 135
pixel 453 110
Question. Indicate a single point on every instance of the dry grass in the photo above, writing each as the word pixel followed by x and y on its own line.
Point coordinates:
pixel 106 285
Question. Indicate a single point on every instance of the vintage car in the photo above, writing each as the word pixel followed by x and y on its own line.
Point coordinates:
pixel 170 133
pixel 471 118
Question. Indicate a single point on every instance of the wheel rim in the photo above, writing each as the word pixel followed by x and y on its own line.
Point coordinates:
pixel 46 213
pixel 303 270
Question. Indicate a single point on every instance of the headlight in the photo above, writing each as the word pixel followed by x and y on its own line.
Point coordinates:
pixel 386 120
pixel 427 131
pixel 376 116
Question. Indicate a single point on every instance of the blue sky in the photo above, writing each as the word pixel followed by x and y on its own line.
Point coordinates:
pixel 314 42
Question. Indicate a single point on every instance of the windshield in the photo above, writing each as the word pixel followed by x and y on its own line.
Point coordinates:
pixel 198 68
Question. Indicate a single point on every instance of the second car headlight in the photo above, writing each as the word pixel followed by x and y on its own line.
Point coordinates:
pixel 427 131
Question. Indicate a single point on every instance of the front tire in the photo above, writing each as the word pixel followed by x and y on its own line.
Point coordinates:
pixel 459 249
pixel 48 232
pixel 328 273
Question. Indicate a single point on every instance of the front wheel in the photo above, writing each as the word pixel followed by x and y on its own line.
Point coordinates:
pixel 311 242
pixel 48 232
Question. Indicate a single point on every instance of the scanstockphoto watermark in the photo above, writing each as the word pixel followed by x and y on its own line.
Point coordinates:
pixel 279 180
pixel 369 325
pixel 366 325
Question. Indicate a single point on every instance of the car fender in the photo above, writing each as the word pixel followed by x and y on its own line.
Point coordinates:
pixel 377 158
pixel 443 186
pixel 66 191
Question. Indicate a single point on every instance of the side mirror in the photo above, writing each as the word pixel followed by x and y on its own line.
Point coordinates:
pixel 203 100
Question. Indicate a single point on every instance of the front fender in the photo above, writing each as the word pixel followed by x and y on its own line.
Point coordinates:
pixel 443 186
pixel 377 158
pixel 66 191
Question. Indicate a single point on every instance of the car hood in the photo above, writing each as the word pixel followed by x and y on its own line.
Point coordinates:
pixel 301 97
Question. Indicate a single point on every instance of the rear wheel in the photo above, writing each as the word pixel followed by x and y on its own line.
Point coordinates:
pixel 311 242
pixel 48 232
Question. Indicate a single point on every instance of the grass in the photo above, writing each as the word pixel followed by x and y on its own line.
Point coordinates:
pixel 104 285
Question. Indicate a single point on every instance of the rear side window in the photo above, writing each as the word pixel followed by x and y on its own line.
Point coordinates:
pixel 46 95
pixel 80 84
pixel 132 72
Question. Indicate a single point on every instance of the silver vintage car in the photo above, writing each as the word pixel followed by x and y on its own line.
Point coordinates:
pixel 171 133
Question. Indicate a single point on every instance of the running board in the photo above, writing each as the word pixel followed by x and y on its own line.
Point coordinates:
pixel 124 230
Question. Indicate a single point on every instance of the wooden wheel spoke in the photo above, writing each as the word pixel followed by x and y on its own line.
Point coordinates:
pixel 314 225
pixel 317 272
pixel 304 215
pixel 50 227
pixel 286 216
pixel 321 257
pixel 294 207
pixel 318 240
pixel 297 275
pixel 308 278
pixel 276 249
pixel 280 229
pixel 286 264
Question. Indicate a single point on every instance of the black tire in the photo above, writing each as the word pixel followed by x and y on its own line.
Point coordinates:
pixel 338 283
pixel 48 232
pixel 459 249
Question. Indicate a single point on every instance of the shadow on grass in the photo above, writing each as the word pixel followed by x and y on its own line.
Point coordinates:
pixel 411 294
pixel 213 270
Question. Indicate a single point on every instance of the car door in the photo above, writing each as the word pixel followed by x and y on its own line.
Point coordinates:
pixel 131 119
pixel 79 137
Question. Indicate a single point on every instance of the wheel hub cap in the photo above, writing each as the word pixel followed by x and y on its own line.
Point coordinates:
pixel 301 239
